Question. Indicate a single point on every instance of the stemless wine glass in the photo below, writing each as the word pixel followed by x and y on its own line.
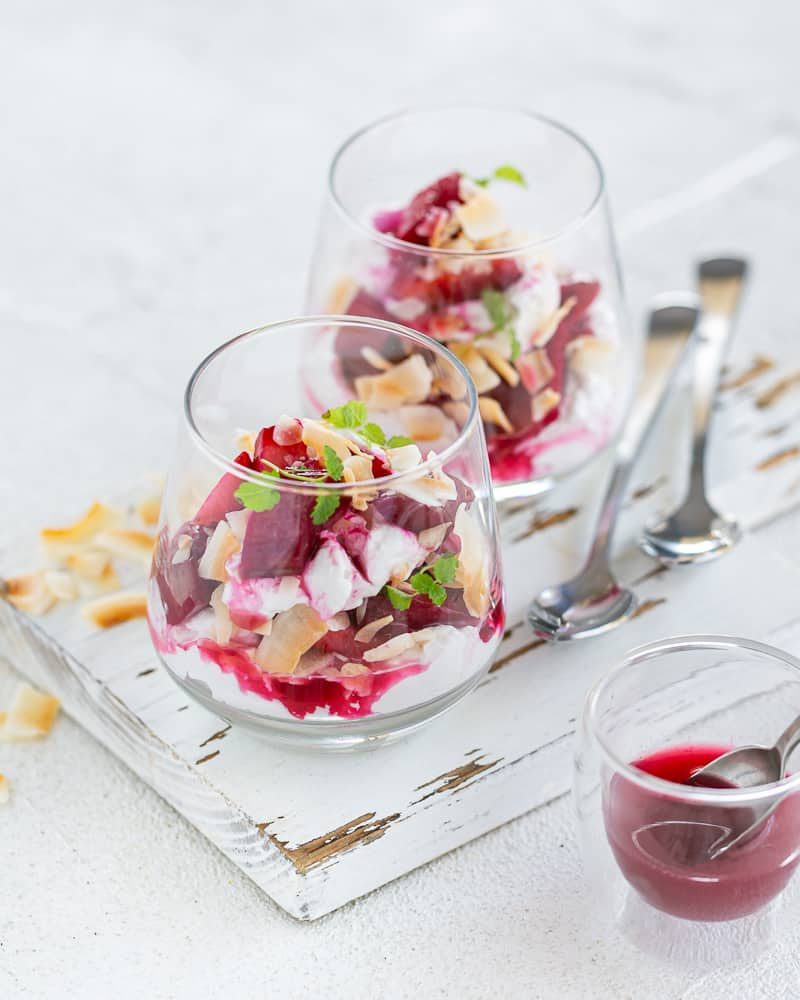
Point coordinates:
pixel 489 230
pixel 327 571
pixel 671 707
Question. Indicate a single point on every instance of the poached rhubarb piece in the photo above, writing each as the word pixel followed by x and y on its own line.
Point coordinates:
pixel 324 601
pixel 520 328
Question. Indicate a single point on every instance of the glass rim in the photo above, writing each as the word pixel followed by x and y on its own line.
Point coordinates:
pixel 346 489
pixel 393 243
pixel 706 796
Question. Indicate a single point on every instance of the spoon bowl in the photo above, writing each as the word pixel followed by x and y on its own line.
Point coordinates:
pixel 678 540
pixel 748 767
pixel 579 608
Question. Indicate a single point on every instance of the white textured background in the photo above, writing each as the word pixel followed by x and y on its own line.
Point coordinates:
pixel 161 171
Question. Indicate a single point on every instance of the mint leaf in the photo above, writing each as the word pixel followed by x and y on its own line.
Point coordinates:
pixel 398 441
pixel 496 307
pixel 324 506
pixel 259 496
pixel 333 464
pixel 516 347
pixel 512 174
pixel 482 181
pixel 373 434
pixel 425 584
pixel 444 569
pixel 351 415
pixel 398 599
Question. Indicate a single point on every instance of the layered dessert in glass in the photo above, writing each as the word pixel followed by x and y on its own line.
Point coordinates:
pixel 512 267
pixel 341 574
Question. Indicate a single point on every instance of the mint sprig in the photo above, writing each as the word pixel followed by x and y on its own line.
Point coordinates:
pixel 425 584
pixel 333 464
pixel 503 173
pixel 350 415
pixel 398 598
pixel 324 507
pixel 353 416
pixel 259 496
pixel 374 434
pixel 497 307
pixel 444 569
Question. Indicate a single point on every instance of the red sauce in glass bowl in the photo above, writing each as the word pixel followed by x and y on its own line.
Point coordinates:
pixel 660 842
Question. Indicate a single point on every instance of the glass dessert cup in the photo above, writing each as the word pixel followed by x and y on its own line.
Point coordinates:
pixel 488 229
pixel 670 708
pixel 337 582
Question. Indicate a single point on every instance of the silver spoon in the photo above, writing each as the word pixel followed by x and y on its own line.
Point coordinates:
pixel 593 602
pixel 696 532
pixel 746 767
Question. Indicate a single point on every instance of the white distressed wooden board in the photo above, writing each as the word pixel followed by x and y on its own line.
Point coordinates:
pixel 317 831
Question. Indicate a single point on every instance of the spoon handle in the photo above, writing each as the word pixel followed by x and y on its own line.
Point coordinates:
pixel 669 331
pixel 720 281
pixel 787 742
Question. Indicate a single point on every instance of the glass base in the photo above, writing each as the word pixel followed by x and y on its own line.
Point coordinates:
pixel 331 735
pixel 528 489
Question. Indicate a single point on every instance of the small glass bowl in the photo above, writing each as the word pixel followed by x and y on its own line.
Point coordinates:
pixel 534 310
pixel 671 707
pixel 323 599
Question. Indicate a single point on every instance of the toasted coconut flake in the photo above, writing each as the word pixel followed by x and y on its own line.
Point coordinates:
pixel 316 435
pixel 62 541
pixel 351 669
pixel 4 789
pixel 432 538
pixel 481 217
pixel 483 375
pixel 493 413
pixel 89 564
pixel 433 489
pixel 368 632
pixel 106 583
pixel 404 458
pixel 223 626
pixel 375 358
pixel 543 402
pixel 393 647
pixel 446 229
pixel 183 550
pixel 136 546
pixel 61 584
pixel 472 572
pixel 360 467
pixel 341 295
pixel 245 440
pixel 457 411
pixel 535 369
pixel 105 612
pixel 293 633
pixel 149 509
pixel 238 519
pixel 424 422
pixel 506 371
pixel 31 715
pixel 408 382
pixel 542 336
pixel 446 380
pixel 221 546
pixel 29 593
pixel 591 356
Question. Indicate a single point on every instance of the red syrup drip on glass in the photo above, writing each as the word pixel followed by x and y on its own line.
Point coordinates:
pixel 660 842
pixel 349 698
